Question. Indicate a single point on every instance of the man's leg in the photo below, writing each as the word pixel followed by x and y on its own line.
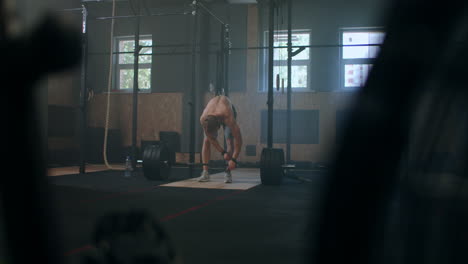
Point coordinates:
pixel 206 153
pixel 229 146
pixel 230 151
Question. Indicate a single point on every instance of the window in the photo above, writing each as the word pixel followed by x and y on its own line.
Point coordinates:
pixel 125 62
pixel 360 48
pixel 299 65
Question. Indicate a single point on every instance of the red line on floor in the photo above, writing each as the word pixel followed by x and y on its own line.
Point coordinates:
pixel 114 195
pixel 164 219
pixel 78 250
pixel 170 217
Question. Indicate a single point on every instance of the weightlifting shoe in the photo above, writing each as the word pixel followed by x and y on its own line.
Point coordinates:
pixel 227 177
pixel 205 176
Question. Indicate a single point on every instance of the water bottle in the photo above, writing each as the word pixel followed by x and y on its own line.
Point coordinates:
pixel 128 167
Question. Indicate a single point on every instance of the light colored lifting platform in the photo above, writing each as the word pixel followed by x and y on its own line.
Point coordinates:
pixel 76 169
pixel 242 179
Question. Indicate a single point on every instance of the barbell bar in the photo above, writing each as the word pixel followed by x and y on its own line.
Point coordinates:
pixel 157 164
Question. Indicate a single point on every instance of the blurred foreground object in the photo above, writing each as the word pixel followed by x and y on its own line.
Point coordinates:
pixel 129 238
pixel 398 190
pixel 30 220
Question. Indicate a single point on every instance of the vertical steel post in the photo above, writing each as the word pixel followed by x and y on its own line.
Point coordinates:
pixel 222 62
pixel 227 50
pixel 84 92
pixel 270 73
pixel 218 88
pixel 289 92
pixel 225 67
pixel 193 97
pixel 135 88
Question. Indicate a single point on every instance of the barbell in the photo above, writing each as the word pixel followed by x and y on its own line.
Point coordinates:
pixel 157 163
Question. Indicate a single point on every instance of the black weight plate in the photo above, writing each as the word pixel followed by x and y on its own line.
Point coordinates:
pixel 165 162
pixel 271 170
pixel 156 164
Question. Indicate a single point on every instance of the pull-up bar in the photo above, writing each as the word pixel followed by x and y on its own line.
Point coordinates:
pixel 72 9
pixel 194 4
pixel 149 15
pixel 307 46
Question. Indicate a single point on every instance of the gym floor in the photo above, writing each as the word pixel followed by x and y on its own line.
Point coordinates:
pixel 242 222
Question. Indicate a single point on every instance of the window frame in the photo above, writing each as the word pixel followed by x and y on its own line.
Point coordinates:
pixel 354 61
pixel 117 66
pixel 263 87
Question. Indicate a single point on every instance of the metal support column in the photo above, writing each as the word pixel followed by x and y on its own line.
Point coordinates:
pixel 135 88
pixel 226 58
pixel 289 91
pixel 193 97
pixel 271 34
pixel 222 62
pixel 84 91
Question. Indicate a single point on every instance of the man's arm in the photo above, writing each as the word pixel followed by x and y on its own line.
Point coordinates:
pixel 236 133
pixel 237 145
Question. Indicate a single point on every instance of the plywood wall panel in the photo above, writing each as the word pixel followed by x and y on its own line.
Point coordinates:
pixel 156 112
pixel 63 88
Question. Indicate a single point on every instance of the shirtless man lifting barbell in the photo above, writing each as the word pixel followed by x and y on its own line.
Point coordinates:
pixel 219 112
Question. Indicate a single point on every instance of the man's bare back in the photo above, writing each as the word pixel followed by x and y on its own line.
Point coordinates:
pixel 221 107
